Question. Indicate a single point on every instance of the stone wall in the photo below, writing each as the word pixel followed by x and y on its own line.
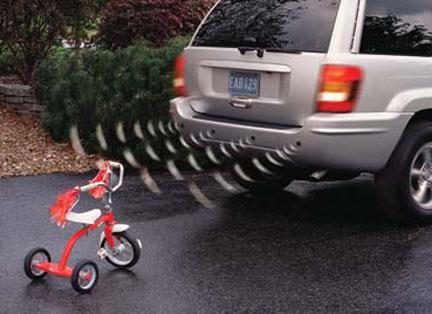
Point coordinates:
pixel 21 98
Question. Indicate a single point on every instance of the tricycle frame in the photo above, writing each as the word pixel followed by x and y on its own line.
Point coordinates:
pixel 61 268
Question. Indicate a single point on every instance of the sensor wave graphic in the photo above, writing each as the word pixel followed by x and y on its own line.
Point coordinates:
pixel 167 133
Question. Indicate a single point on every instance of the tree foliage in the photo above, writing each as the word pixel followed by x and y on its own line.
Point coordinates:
pixel 29 28
pixel 80 16
pixel 124 22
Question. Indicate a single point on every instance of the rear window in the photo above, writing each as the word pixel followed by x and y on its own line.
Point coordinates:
pixel 398 27
pixel 305 25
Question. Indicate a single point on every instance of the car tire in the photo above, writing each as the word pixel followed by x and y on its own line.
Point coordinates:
pixel 401 185
pixel 249 177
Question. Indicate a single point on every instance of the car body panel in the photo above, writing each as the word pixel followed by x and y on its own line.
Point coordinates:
pixel 394 88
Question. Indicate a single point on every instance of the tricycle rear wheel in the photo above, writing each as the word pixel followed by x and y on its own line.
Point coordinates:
pixel 126 252
pixel 36 256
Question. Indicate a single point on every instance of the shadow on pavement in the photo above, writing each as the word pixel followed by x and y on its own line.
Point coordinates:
pixel 346 203
pixel 328 248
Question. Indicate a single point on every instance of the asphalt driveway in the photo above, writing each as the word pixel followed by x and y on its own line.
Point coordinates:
pixel 314 248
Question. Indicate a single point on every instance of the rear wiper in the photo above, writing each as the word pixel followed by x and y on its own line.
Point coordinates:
pixel 283 50
pixel 260 51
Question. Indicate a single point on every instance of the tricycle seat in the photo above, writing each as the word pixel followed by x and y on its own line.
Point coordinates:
pixel 87 218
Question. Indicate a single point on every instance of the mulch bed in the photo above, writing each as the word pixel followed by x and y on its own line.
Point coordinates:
pixel 26 149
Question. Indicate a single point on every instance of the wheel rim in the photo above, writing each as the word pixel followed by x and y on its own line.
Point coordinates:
pixel 37 259
pixel 421 177
pixel 87 277
pixel 123 253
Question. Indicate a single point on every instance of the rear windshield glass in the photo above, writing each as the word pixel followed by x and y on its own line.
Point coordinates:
pixel 304 25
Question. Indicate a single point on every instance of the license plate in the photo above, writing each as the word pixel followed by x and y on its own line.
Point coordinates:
pixel 244 83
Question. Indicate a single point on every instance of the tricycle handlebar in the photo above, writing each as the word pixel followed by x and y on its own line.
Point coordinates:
pixel 112 164
pixel 121 174
pixel 91 186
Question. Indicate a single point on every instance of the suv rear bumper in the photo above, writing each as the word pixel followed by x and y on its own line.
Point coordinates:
pixel 352 142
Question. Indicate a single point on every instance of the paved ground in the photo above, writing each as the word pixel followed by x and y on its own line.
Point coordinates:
pixel 315 248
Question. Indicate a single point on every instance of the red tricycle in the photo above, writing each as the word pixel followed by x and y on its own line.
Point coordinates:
pixel 116 246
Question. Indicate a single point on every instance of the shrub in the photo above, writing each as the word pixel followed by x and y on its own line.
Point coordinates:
pixel 125 22
pixel 28 32
pixel 6 66
pixel 103 87
pixel 30 28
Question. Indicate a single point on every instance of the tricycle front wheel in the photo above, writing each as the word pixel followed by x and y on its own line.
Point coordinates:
pixel 126 251
pixel 85 276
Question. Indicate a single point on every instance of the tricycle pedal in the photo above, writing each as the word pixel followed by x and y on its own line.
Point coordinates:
pixel 102 253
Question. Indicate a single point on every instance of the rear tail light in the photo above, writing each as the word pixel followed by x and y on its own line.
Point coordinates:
pixel 179 82
pixel 339 88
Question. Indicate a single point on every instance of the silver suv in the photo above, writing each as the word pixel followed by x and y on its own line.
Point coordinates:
pixel 315 89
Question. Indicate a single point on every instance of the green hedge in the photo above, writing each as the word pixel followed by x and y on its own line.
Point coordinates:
pixel 102 87
pixel 6 62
